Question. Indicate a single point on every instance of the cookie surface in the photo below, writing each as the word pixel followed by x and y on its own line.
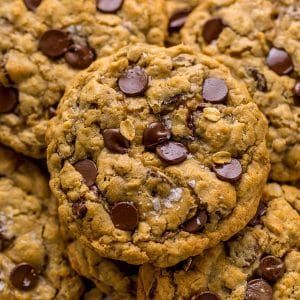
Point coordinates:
pixel 177 12
pixel 260 261
pixel 45 43
pixel 143 168
pixel 111 278
pixel 259 41
pixel 32 253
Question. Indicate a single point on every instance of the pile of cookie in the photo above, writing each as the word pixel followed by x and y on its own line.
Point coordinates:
pixel 150 149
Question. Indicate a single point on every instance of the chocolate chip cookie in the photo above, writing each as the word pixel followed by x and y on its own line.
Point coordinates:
pixel 259 41
pixel 177 12
pixel 110 277
pixel 156 154
pixel 262 262
pixel 32 253
pixel 45 43
pixel 114 278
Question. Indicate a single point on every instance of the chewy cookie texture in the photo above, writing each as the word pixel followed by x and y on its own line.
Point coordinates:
pixel 262 262
pixel 45 43
pixel 109 277
pixel 156 154
pixel 32 253
pixel 259 41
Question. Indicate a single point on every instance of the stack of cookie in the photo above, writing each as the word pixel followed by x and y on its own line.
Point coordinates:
pixel 171 134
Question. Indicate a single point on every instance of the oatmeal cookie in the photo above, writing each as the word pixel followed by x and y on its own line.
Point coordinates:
pixel 156 154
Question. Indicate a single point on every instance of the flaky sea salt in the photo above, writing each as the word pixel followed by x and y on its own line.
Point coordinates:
pixel 174 196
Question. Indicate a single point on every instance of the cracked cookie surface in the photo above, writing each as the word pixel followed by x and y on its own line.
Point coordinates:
pixel 259 41
pixel 32 253
pixel 260 262
pixel 43 46
pixel 144 169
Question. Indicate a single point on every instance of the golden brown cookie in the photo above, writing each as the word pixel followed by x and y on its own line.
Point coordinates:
pixel 156 154
pixel 259 41
pixel 43 44
pixel 260 262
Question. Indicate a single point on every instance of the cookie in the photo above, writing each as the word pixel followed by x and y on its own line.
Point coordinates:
pixel 32 253
pixel 45 43
pixel 261 261
pixel 248 37
pixel 156 154
pixel 177 12
pixel 108 277
pixel 114 278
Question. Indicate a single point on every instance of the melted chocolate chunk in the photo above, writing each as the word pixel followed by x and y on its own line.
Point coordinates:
pixel 24 277
pixel 125 216
pixel 196 223
pixel 259 289
pixel 212 29
pixel 155 134
pixel 79 57
pixel 280 61
pixel 133 82
pixel 172 153
pixel 178 19
pixel 230 172
pixel 32 4
pixel 115 141
pixel 215 90
pixel 9 98
pixel 54 43
pixel 271 268
pixel 109 6
pixel 88 170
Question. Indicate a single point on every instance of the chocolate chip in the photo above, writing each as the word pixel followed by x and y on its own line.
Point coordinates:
pixel 212 29
pixel 196 223
pixel 261 210
pixel 230 172
pixel 88 169
pixel 115 141
pixel 79 57
pixel 133 82
pixel 206 296
pixel 24 277
pixel 125 216
pixel 155 134
pixel 297 93
pixel 172 153
pixel 79 210
pixel 271 268
pixel 280 61
pixel 4 242
pixel 32 4
pixel 54 43
pixel 9 99
pixel 178 19
pixel 215 90
pixel 109 6
pixel 258 289
pixel 261 82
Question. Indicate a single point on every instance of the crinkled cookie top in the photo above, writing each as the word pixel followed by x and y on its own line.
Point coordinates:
pixel 260 262
pixel 32 254
pixel 45 43
pixel 259 41
pixel 156 154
